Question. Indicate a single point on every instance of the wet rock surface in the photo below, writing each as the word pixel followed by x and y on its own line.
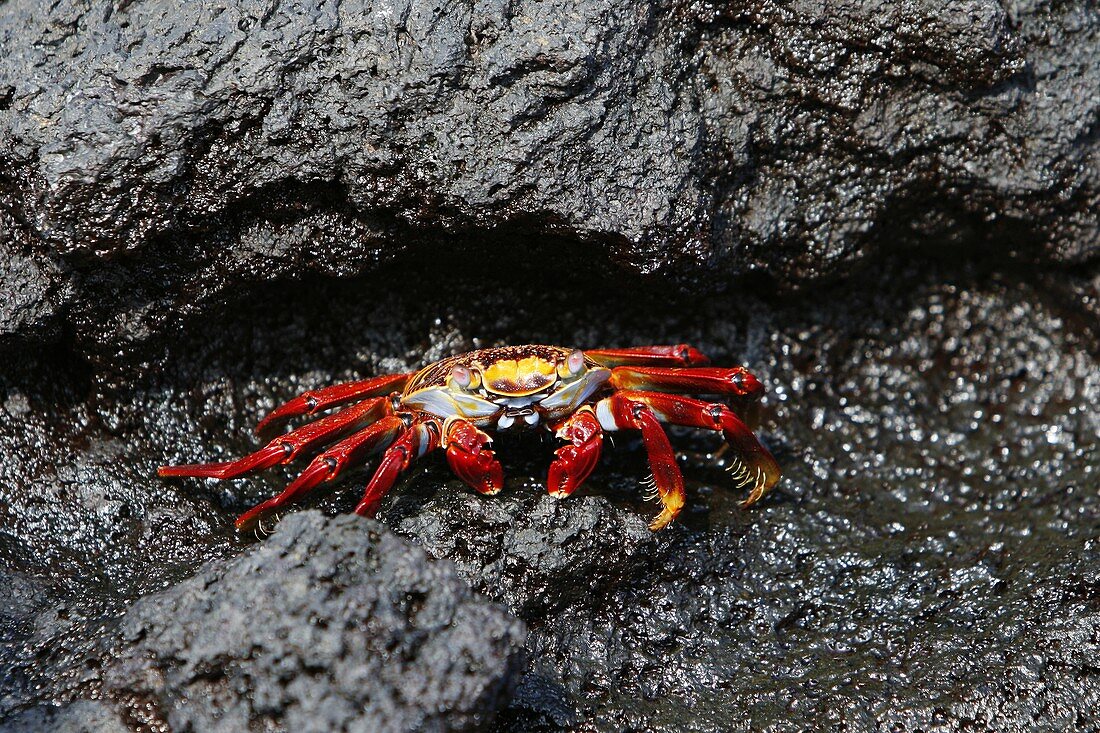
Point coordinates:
pixel 156 154
pixel 888 212
pixel 930 560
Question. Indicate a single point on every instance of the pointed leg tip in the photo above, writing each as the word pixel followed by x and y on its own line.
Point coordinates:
pixel 265 428
pixel 367 509
pixel 760 490
pixel 665 518
pixel 196 471
pixel 660 522
pixel 754 496
pixel 244 524
pixel 250 519
pixel 218 471
pixel 257 514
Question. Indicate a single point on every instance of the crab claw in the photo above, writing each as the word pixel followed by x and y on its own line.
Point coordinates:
pixel 751 464
pixel 470 460
pixel 575 462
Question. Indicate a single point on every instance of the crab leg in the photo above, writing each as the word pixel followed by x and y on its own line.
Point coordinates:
pixel 413 443
pixel 286 448
pixel 752 466
pixel 327 466
pixel 469 459
pixel 621 412
pixel 314 401
pixel 736 381
pixel 678 355
pixel 575 462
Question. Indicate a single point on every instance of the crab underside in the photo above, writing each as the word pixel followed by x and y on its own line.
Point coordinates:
pixel 456 403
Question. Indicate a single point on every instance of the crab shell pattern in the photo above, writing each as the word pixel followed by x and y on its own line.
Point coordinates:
pixel 458 402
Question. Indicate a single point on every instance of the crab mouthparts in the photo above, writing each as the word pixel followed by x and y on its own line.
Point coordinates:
pixel 528 416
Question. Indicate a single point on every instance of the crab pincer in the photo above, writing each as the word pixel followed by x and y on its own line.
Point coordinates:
pixel 577 460
pixel 470 459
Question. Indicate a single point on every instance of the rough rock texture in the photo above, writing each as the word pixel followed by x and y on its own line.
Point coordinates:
pixel 331 625
pixel 208 207
pixel 539 556
pixel 156 153
pixel 82 716
pixel 930 561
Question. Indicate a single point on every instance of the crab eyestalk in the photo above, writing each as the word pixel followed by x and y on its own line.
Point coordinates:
pixel 572 365
pixel 464 379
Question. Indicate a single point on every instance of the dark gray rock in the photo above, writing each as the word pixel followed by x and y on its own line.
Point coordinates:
pixel 28 284
pixel 82 716
pixel 540 556
pixel 331 625
pixel 929 560
pixel 178 183
pixel 158 153
pixel 84 528
pixel 931 557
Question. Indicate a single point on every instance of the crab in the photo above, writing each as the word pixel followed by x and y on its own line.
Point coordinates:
pixel 458 402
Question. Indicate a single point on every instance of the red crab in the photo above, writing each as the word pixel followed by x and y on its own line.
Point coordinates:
pixel 453 402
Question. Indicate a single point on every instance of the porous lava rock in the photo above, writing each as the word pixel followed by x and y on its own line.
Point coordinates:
pixel 929 560
pixel 332 624
pixel 82 716
pixel 887 210
pixel 156 154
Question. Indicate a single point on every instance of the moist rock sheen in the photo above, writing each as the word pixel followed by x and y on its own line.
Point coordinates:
pixel 929 562
pixel 214 143
pixel 330 625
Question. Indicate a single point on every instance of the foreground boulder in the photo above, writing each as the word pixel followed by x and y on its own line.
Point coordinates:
pixel 329 625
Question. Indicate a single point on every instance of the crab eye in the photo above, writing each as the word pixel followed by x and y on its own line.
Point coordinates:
pixel 461 377
pixel 575 362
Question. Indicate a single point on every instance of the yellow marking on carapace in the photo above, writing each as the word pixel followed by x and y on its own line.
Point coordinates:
pixel 519 378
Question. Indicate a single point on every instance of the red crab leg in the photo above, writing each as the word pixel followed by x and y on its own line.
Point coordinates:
pixel 327 466
pixel 469 459
pixel 314 401
pixel 678 355
pixel 287 447
pixel 752 466
pixel 619 412
pixel 736 381
pixel 575 462
pixel 413 443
